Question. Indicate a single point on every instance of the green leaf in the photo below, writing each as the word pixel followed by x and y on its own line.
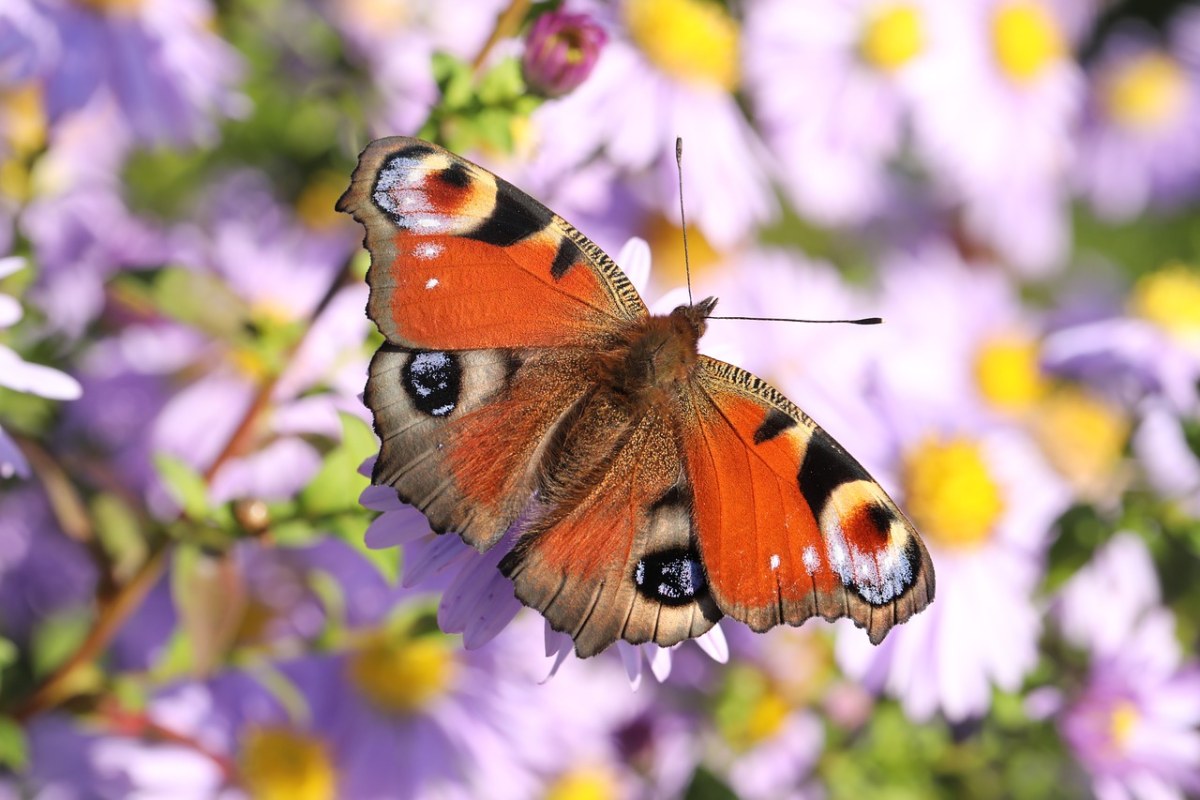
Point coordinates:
pixel 14 751
pixel 337 485
pixel 454 78
pixel 707 786
pixel 202 300
pixel 120 534
pixel 210 596
pixel 58 637
pixel 185 485
pixel 502 83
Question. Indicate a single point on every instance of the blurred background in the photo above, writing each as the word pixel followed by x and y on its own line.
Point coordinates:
pixel 193 601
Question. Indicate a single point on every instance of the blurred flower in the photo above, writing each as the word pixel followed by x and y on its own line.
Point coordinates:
pixel 42 572
pixel 397 40
pixel 69 760
pixel 974 485
pixel 294 269
pixel 403 713
pixel 1136 726
pixel 669 69
pixel 1140 143
pixel 28 43
pixel 768 742
pixel 185 75
pixel 993 109
pixel 560 52
pixel 835 129
pixel 19 375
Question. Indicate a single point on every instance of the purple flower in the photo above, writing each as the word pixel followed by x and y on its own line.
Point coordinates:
pixel 22 376
pixel 42 572
pixel 27 42
pixel 1135 726
pixel 668 68
pixel 1140 142
pixel 158 61
pixel 560 52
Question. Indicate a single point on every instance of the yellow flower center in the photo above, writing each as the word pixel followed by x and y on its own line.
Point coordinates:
pixel 404 675
pixel 315 204
pixel 1123 722
pixel 1026 39
pixel 584 783
pixel 950 492
pixel 24 117
pixel 692 40
pixel 279 764
pixel 1146 92
pixel 1170 298
pixel 751 709
pixel 1082 436
pixel 1007 372
pixel 892 37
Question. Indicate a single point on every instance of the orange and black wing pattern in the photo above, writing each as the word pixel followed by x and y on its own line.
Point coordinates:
pixel 463 260
pixel 788 525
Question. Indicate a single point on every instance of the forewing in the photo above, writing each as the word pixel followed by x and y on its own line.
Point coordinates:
pixel 463 260
pixel 789 525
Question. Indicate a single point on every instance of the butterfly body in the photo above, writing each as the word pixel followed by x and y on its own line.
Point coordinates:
pixel 524 388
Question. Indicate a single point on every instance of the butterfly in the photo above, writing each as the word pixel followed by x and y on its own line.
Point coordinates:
pixel 524 385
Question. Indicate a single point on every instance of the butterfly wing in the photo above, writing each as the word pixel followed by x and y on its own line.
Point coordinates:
pixel 463 260
pixel 788 524
pixel 489 304
pixel 610 554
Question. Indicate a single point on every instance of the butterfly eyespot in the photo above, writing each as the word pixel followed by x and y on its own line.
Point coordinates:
pixel 433 382
pixel 455 175
pixel 672 577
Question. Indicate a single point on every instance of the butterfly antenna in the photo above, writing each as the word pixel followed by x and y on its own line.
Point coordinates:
pixel 687 267
pixel 863 321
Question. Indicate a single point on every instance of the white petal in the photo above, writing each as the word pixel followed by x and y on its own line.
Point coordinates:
pixel 634 259
pixel 714 644
pixel 11 264
pixel 16 373
pixel 10 311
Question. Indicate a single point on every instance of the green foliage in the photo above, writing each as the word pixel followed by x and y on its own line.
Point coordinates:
pixel 186 486
pixel 14 750
pixel 478 112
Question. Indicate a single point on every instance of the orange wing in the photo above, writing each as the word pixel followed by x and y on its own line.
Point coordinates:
pixel 463 260
pixel 790 526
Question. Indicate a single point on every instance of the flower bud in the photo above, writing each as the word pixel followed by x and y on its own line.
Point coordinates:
pixel 560 52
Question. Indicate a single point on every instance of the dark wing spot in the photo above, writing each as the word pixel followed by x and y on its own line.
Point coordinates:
pixel 671 577
pixel 567 255
pixel 881 517
pixel 455 175
pixel 671 497
pixel 775 423
pixel 417 150
pixel 826 466
pixel 516 216
pixel 433 382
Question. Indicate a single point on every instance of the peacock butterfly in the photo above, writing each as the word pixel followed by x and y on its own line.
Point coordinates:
pixel 523 382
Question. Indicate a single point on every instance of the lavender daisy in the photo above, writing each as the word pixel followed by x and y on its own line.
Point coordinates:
pixel 1140 141
pixel 669 68
pixel 1136 726
pixel 977 487
pixel 397 42
pixel 20 375
pixel 992 116
pixel 829 83
pixel 186 77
